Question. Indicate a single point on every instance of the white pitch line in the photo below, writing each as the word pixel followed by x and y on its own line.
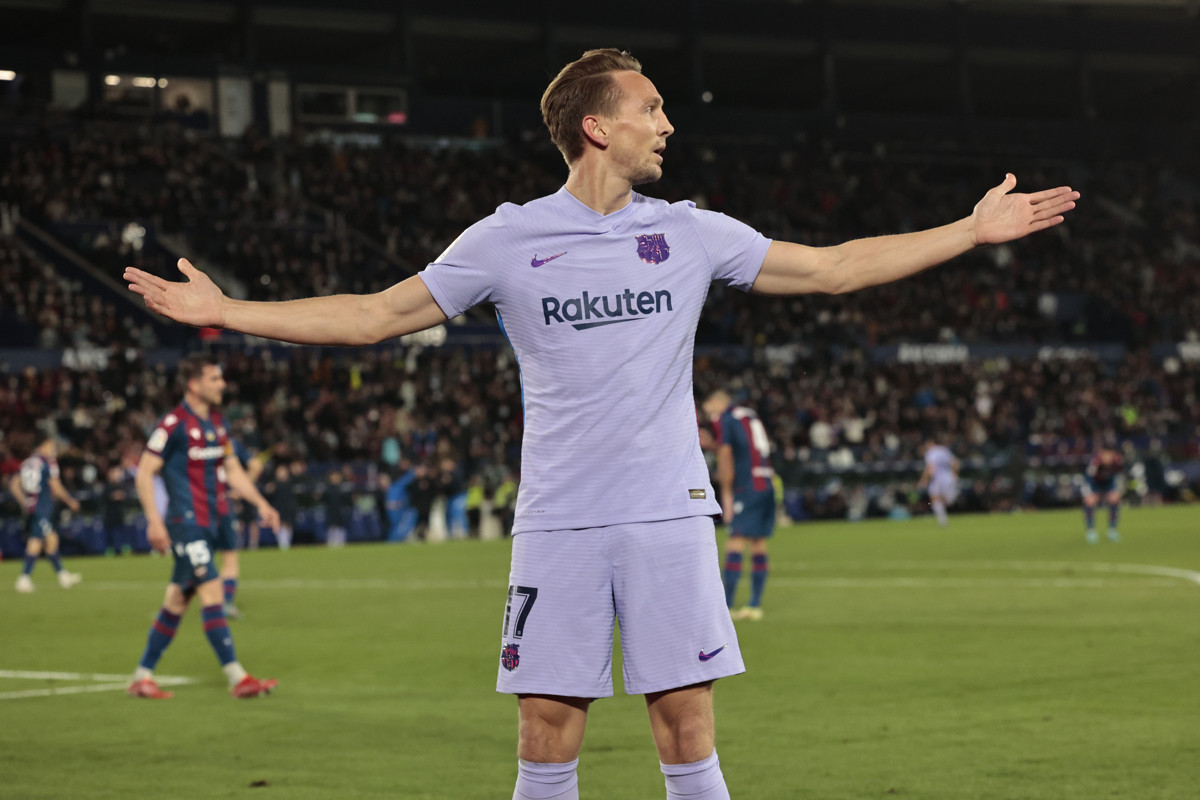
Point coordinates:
pixel 968 583
pixel 108 683
pixel 1191 576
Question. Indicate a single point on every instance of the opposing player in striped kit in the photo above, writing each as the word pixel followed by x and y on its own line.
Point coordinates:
pixel 599 290
pixel 35 487
pixel 191 448
pixel 745 483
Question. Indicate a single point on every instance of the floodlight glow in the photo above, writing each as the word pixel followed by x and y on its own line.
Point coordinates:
pixel 112 80
pixel 144 83
pixel 162 83
pixel 7 75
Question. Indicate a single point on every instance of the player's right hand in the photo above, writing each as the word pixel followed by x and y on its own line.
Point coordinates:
pixel 156 534
pixel 196 301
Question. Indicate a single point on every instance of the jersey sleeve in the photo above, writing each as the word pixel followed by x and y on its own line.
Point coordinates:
pixel 735 250
pixel 464 275
pixel 160 438
pixel 729 430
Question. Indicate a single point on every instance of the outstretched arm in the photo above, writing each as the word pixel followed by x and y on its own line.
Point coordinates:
pixel 1000 216
pixel 340 319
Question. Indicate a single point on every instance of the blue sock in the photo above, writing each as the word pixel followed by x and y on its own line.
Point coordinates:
pixel 29 562
pixel 1114 511
pixel 230 586
pixel 161 634
pixel 1089 515
pixel 547 781
pixel 217 631
pixel 55 561
pixel 758 579
pixel 701 780
pixel 732 574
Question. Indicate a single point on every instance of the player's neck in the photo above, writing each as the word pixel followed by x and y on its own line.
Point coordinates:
pixel 597 187
pixel 198 406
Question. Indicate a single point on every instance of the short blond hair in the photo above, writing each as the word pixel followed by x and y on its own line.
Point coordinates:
pixel 585 86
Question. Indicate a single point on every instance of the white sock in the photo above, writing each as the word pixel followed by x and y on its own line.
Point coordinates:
pixel 546 781
pixel 141 674
pixel 235 672
pixel 701 780
pixel 939 508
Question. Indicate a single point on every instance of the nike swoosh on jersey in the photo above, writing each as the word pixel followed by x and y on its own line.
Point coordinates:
pixel 537 262
pixel 706 656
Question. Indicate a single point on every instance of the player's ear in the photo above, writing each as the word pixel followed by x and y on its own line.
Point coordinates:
pixel 595 129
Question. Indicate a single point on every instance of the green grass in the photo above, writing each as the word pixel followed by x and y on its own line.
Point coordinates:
pixel 1000 658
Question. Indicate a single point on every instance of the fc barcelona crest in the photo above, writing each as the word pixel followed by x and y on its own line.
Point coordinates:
pixel 510 656
pixel 653 248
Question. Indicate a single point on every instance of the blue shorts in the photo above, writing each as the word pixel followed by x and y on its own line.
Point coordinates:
pixel 38 526
pixel 226 537
pixel 1093 486
pixel 193 548
pixel 660 580
pixel 753 516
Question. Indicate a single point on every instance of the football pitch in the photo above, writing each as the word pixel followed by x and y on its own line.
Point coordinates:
pixel 1002 657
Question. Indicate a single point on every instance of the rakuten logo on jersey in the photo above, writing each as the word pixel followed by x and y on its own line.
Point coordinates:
pixel 587 311
pixel 206 453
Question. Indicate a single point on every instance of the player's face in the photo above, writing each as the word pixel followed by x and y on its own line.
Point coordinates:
pixel 638 131
pixel 210 386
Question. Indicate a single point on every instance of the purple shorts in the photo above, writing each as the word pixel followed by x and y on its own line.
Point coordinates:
pixel 661 581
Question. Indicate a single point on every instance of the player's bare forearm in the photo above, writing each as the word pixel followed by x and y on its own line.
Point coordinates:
pixel 148 467
pixel 240 482
pixel 796 269
pixel 1001 216
pixel 14 486
pixel 344 319
pixel 60 491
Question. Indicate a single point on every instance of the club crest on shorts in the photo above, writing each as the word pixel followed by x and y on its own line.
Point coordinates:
pixel 510 656
pixel 653 248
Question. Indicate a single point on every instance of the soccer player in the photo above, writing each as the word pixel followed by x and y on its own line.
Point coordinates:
pixel 35 487
pixel 1104 478
pixel 191 448
pixel 746 488
pixel 941 477
pixel 600 289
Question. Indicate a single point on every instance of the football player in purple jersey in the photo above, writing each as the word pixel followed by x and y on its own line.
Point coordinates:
pixel 599 290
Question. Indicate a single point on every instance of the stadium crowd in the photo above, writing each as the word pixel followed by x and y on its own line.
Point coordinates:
pixel 299 217
pixel 296 217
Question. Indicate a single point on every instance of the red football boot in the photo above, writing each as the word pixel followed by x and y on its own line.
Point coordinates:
pixel 251 686
pixel 148 689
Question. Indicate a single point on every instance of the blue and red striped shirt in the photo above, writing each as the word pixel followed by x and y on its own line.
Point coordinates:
pixel 36 473
pixel 741 429
pixel 193 450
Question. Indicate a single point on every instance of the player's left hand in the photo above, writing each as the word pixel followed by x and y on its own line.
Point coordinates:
pixel 268 515
pixel 73 505
pixel 1003 215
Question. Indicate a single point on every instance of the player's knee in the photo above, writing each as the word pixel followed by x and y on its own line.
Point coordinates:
pixel 551 730
pixel 691 738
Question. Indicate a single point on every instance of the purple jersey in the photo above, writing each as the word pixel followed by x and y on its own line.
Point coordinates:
pixel 941 460
pixel 36 473
pixel 193 450
pixel 601 311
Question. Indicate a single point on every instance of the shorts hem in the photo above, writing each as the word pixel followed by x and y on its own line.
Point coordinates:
pixel 556 692
pixel 650 688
